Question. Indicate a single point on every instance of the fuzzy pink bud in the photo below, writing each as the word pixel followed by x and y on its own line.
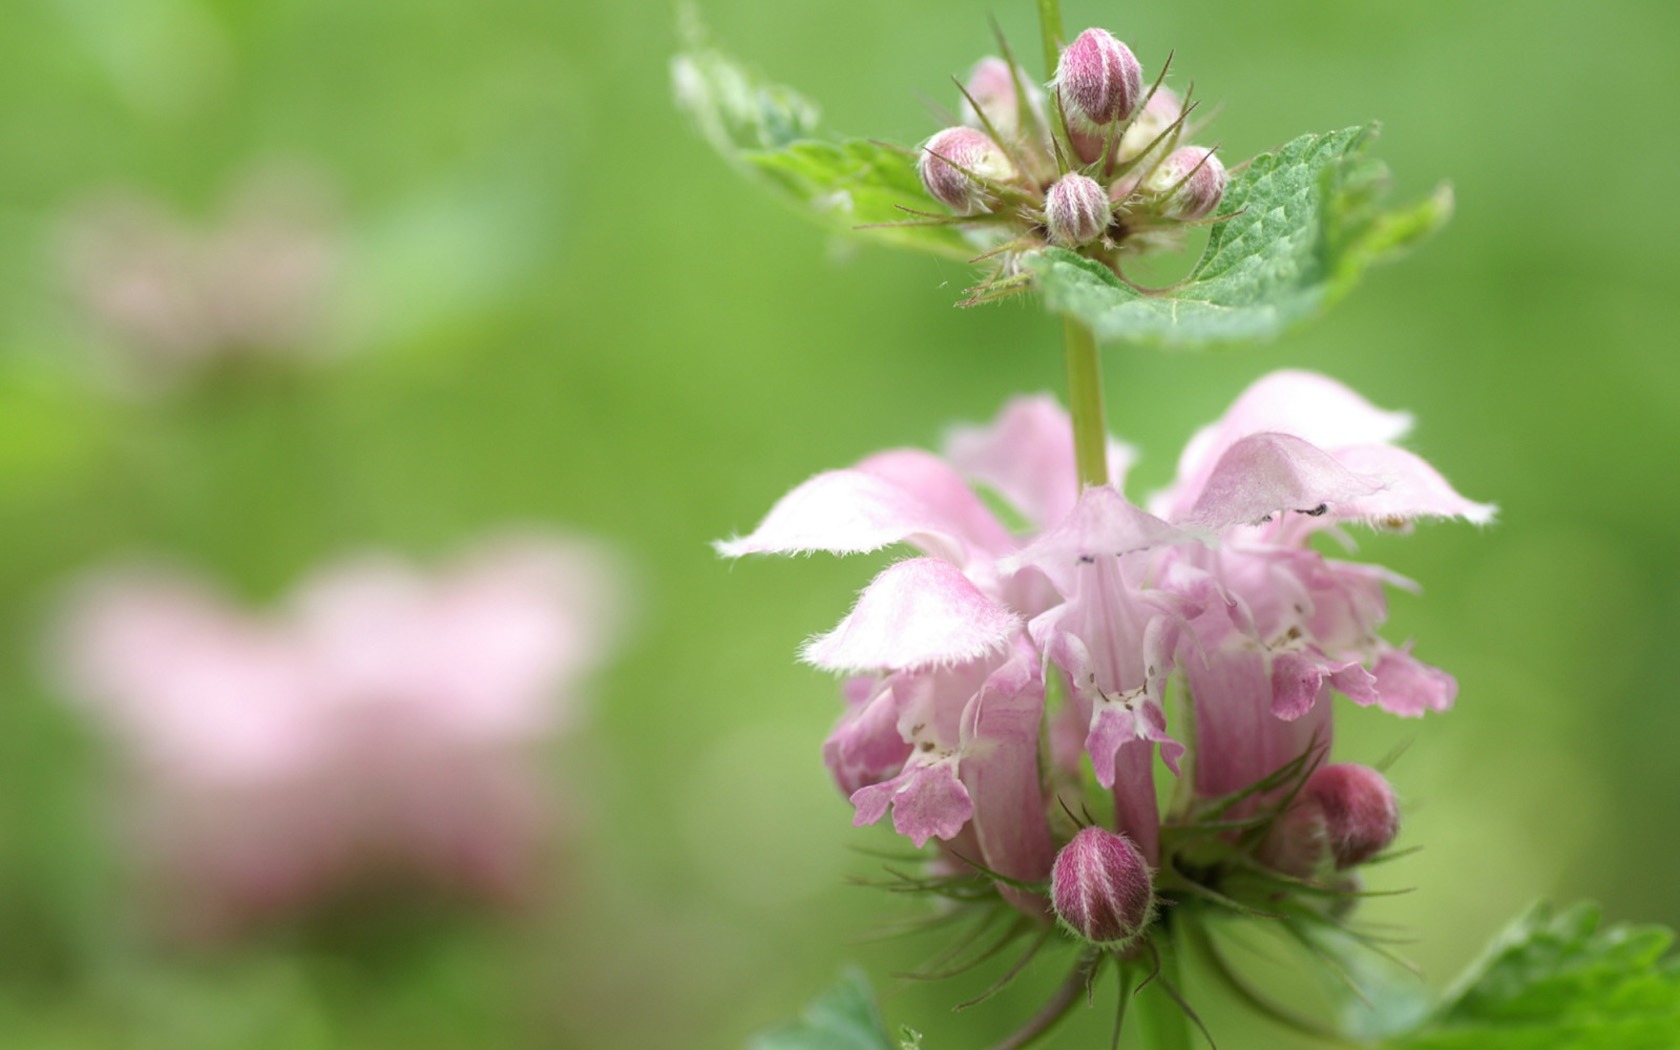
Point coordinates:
pixel 1159 112
pixel 1361 815
pixel 952 162
pixel 1075 210
pixel 1200 180
pixel 1100 888
pixel 1099 80
pixel 991 86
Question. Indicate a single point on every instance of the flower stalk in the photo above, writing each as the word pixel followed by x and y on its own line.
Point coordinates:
pixel 1160 1015
pixel 1050 28
pixel 1085 404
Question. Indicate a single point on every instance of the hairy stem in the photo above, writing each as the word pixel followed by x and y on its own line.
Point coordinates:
pixel 1050 27
pixel 1085 402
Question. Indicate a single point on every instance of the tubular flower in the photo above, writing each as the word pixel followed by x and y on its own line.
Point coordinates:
pixel 950 652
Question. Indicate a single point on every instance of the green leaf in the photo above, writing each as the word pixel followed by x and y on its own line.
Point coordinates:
pixel 842 1018
pixel 1561 982
pixel 769 132
pixel 1305 223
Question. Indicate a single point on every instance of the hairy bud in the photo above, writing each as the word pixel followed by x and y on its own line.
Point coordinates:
pixel 991 86
pixel 953 160
pixel 1075 210
pixel 1100 887
pixel 1163 107
pixel 1099 80
pixel 1360 813
pixel 1199 178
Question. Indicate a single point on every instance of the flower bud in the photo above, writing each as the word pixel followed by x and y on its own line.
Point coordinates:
pixel 1100 888
pixel 1075 210
pixel 1200 180
pixel 1163 107
pixel 991 86
pixel 1297 843
pixel 1099 80
pixel 951 162
pixel 1361 815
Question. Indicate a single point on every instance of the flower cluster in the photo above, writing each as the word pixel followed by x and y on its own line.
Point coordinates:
pixel 965 658
pixel 1095 166
pixel 380 734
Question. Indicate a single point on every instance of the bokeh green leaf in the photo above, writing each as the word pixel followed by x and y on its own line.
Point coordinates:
pixel 1562 982
pixel 842 1018
pixel 1305 221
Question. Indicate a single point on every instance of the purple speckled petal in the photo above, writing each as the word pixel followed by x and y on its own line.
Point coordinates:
pixel 1268 474
pixel 928 801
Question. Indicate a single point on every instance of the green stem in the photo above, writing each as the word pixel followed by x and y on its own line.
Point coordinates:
pixel 1162 1018
pixel 1085 402
pixel 1050 27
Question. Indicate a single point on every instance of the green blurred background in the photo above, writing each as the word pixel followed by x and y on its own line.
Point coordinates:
pixel 559 307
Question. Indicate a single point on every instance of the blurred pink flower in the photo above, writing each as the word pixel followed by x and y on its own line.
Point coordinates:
pixel 383 728
pixel 252 282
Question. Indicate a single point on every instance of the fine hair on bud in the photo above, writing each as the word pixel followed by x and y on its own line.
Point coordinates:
pixel 1361 814
pixel 1099 80
pixel 953 160
pixel 1191 179
pixel 1075 210
pixel 1101 889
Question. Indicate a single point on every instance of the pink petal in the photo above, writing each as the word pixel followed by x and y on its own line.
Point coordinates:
pixel 1027 455
pixel 918 613
pixel 1408 687
pixel 1312 407
pixel 1407 487
pixel 1232 700
pixel 1116 722
pixel 1000 768
pixel 1268 474
pixel 928 801
pixel 866 747
pixel 1103 524
pixel 893 497
pixel 945 494
pixel 1297 682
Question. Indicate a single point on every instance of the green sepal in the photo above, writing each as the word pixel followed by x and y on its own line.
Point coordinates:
pixel 842 1018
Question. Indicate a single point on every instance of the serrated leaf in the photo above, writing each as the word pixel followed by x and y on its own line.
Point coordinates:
pixel 1561 982
pixel 770 132
pixel 842 1018
pixel 1305 223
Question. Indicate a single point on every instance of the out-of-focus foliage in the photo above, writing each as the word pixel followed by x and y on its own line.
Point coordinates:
pixel 557 306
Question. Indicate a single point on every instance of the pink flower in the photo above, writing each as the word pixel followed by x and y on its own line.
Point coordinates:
pixel 945 711
pixel 382 727
pixel 1295 454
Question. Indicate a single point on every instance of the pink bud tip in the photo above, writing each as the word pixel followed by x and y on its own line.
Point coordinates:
pixel 1100 888
pixel 1075 210
pixel 991 86
pixel 1361 815
pixel 953 160
pixel 1199 176
pixel 1099 79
